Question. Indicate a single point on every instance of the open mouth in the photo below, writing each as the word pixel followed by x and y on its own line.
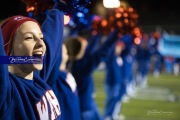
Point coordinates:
pixel 38 54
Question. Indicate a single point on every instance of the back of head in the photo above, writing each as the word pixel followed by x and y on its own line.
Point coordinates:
pixel 73 45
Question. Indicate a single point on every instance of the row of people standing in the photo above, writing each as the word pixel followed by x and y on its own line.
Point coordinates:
pixel 126 70
pixel 119 75
pixel 120 79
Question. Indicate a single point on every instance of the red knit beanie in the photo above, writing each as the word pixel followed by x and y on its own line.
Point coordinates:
pixel 9 28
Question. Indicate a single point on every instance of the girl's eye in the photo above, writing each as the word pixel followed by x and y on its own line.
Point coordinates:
pixel 28 38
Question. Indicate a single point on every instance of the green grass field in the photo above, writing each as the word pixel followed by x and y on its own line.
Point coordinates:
pixel 147 109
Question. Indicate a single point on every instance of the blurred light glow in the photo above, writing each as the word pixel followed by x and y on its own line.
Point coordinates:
pixel 66 19
pixel 126 20
pixel 121 9
pixel 104 23
pixel 137 40
pixel 85 10
pixel 29 9
pixel 118 15
pixel 130 9
pixel 125 14
pixel 96 18
pixel 71 23
pixel 80 14
pixel 137 32
pixel 111 3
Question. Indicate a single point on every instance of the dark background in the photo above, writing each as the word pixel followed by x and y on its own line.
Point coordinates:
pixel 156 14
pixel 164 14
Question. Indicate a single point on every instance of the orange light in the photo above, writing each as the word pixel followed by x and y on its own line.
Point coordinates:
pixel 66 19
pixel 126 21
pixel 121 9
pixel 137 32
pixel 29 9
pixel 137 41
pixel 118 15
pixel 119 24
pixel 131 9
pixel 125 15
pixel 104 23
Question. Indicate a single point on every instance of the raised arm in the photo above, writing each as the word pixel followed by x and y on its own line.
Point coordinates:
pixel 101 54
pixel 52 29
pixel 92 44
pixel 4 76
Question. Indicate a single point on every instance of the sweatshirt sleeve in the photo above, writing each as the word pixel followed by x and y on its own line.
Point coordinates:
pixel 4 75
pixel 52 29
pixel 92 61
pixel 93 41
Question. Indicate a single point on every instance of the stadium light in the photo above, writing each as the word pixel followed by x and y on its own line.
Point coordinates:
pixel 111 3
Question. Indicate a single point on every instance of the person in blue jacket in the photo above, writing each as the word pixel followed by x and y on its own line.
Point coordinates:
pixel 127 67
pixel 114 83
pixel 65 88
pixel 143 56
pixel 159 59
pixel 83 62
pixel 24 93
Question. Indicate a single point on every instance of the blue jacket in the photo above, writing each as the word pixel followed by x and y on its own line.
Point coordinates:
pixel 65 89
pixel 113 74
pixel 128 43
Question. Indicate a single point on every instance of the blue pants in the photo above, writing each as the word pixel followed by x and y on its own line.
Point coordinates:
pixel 114 95
pixel 127 68
pixel 92 114
pixel 143 67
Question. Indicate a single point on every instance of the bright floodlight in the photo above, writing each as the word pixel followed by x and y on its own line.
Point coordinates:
pixel 111 3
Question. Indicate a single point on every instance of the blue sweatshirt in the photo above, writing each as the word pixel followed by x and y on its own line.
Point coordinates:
pixel 113 69
pixel 82 71
pixel 22 99
pixel 143 52
pixel 128 43
pixel 52 29
pixel 65 89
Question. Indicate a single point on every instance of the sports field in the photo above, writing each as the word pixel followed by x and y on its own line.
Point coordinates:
pixel 159 101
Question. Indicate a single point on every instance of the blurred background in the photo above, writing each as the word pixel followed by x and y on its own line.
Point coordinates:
pixel 160 19
pixel 152 13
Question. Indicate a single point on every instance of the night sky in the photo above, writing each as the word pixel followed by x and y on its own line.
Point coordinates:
pixel 163 13
pixel 152 13
pixel 157 11
pixel 11 7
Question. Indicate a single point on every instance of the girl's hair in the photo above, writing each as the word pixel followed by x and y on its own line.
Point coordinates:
pixel 73 46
